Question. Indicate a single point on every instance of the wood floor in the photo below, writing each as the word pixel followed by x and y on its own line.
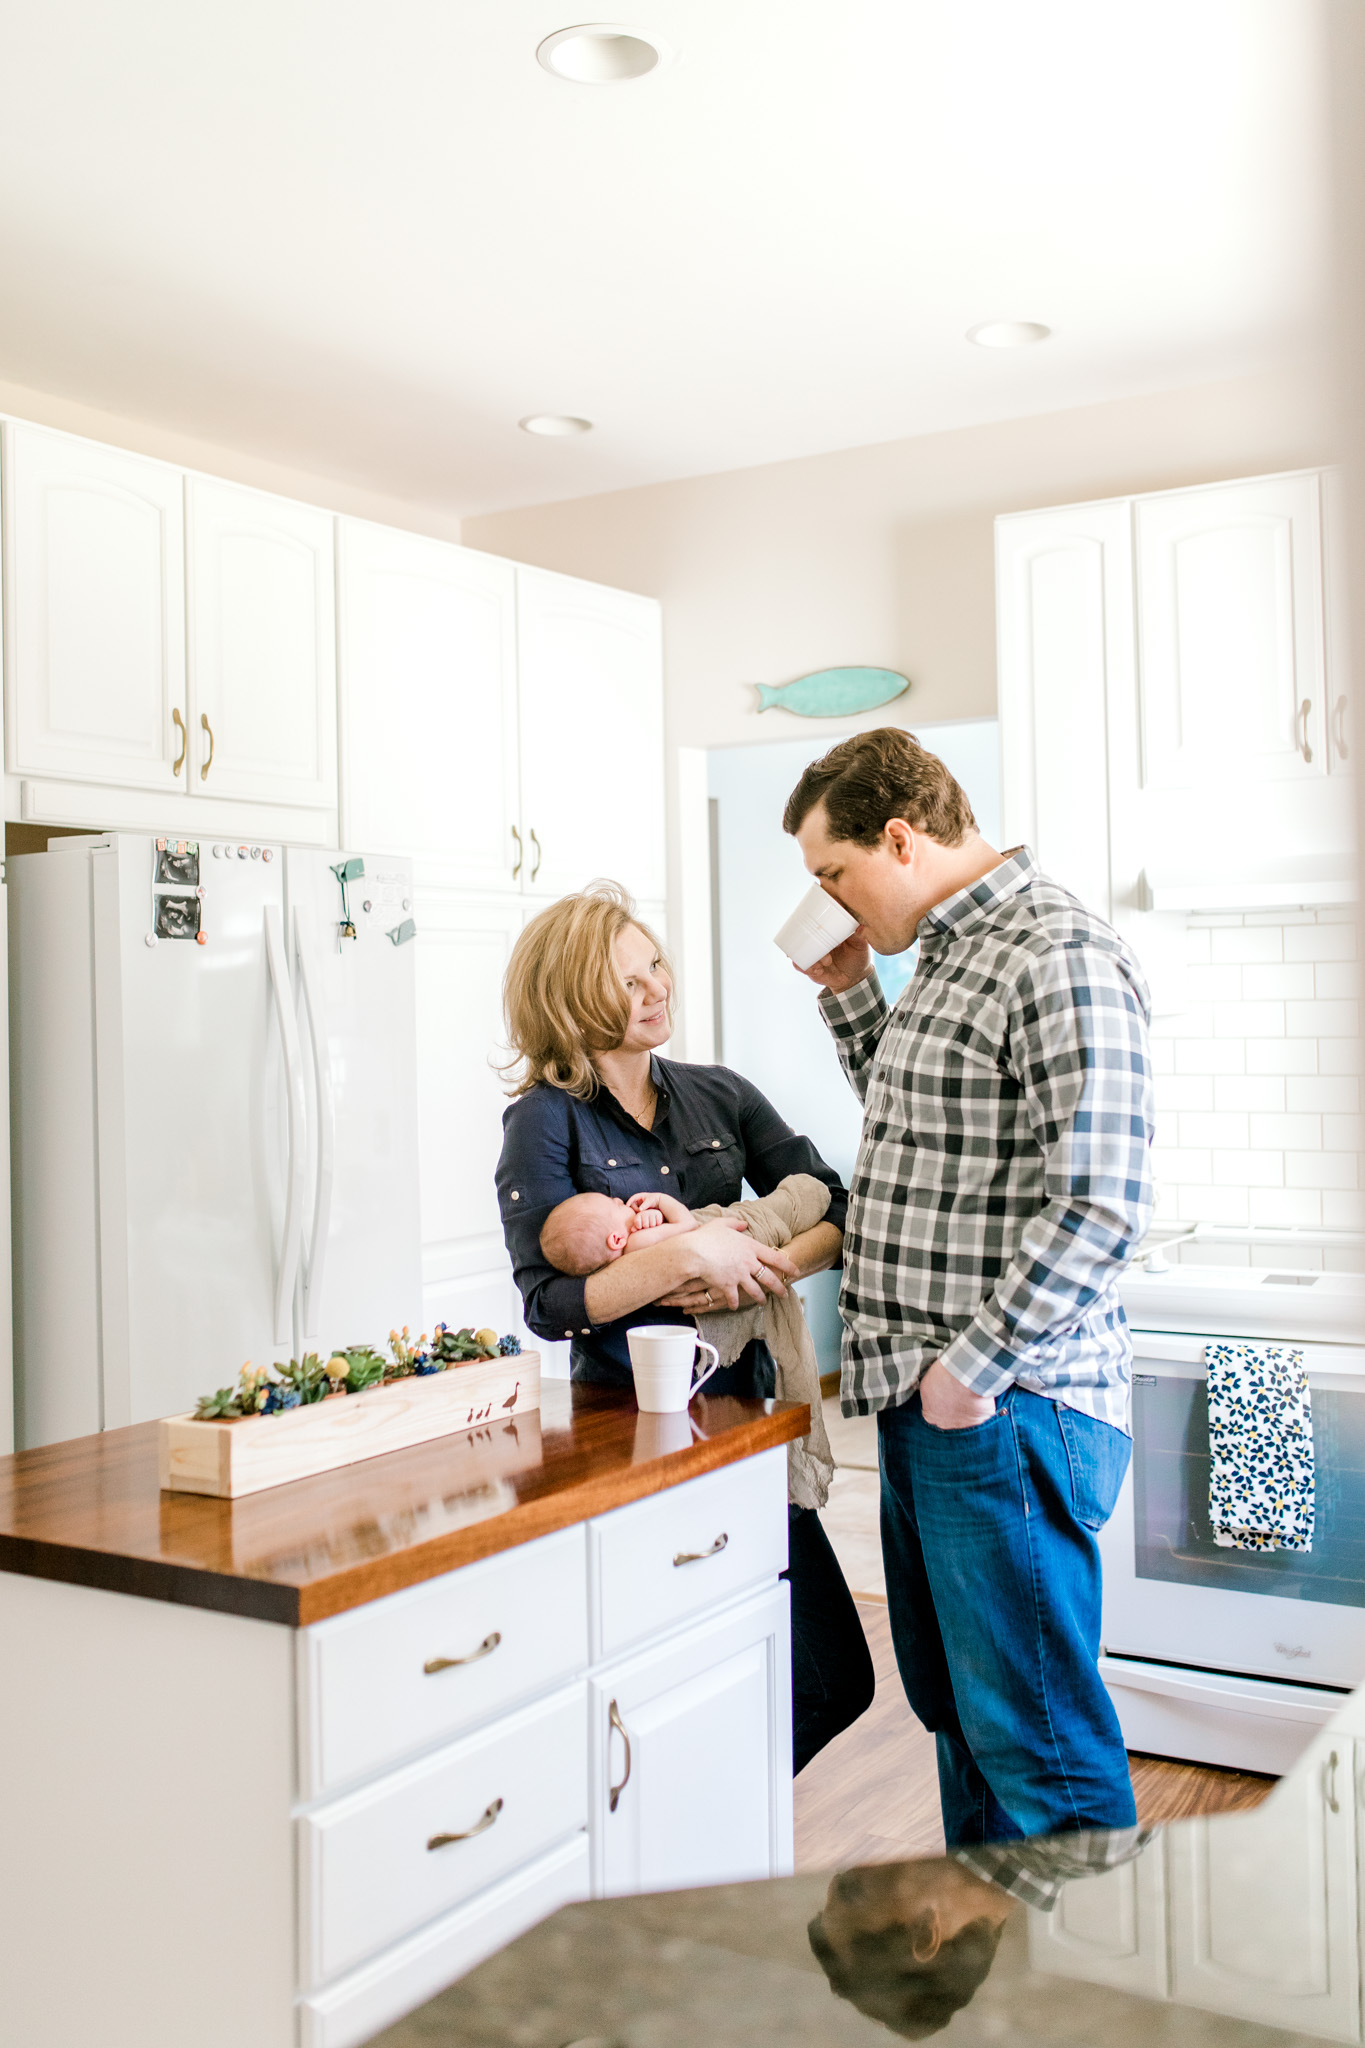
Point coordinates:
pixel 872 1795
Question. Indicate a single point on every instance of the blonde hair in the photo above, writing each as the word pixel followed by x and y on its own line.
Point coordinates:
pixel 562 995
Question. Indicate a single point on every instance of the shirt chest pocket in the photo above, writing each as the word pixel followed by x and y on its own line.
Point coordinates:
pixel 607 1171
pixel 714 1170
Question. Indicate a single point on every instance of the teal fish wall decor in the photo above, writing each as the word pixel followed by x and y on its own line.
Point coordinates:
pixel 834 692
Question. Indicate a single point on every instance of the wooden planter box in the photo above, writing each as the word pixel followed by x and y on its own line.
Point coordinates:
pixel 256 1451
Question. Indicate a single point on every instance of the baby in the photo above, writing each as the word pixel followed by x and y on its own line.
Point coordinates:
pixel 590 1231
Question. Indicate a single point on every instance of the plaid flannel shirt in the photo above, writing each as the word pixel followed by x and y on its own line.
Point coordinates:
pixel 1003 1176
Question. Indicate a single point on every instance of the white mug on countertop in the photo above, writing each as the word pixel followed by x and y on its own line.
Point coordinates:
pixel 816 926
pixel 662 1356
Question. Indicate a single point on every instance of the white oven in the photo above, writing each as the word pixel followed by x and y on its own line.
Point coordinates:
pixel 1227 1656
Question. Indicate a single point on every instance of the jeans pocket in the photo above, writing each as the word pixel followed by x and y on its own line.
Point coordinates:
pixel 1097 1455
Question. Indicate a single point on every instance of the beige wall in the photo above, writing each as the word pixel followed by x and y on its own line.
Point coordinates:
pixel 884 554
pixel 334 493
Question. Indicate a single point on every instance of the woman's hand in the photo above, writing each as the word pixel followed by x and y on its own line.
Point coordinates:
pixel 734 1266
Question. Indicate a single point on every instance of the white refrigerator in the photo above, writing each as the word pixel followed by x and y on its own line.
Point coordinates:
pixel 214 1118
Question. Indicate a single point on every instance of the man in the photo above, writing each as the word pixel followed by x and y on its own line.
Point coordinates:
pixel 1002 1181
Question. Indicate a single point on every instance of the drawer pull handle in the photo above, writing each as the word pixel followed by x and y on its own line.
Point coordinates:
pixel 1330 1787
pixel 485 1649
pixel 614 1718
pixel 696 1556
pixel 480 1827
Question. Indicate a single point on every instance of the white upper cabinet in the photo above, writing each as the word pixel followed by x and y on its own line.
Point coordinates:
pixel 1230 602
pixel 262 644
pixel 95 602
pixel 1064 621
pixel 429 705
pixel 592 780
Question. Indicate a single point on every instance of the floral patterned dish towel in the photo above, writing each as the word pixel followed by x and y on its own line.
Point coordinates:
pixel 1261 1441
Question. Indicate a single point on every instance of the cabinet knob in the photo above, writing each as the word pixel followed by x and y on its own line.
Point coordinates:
pixel 485 1649
pixel 614 1721
pixel 480 1827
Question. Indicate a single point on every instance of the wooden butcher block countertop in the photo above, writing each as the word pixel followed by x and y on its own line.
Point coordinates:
pixel 90 1512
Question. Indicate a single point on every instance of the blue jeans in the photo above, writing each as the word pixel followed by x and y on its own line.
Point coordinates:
pixel 993 1590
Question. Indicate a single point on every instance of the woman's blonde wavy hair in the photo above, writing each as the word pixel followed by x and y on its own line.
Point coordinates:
pixel 562 995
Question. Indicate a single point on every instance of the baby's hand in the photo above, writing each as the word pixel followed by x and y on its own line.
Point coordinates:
pixel 658 1209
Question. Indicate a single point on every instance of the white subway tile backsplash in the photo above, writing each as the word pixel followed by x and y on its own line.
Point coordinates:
pixel 1301 1131
pixel 1215 1254
pixel 1337 1094
pixel 1206 1055
pixel 1276 984
pixel 1300 1208
pixel 1247 1169
pixel 1321 942
pixel 1256 1020
pixel 1282 1056
pixel 1337 980
pixel 1204 1129
pixel 1238 943
pixel 1258 1096
pixel 1224 984
pixel 1241 1091
pixel 1321 1020
pixel 1266 1257
pixel 1197 1091
pixel 1319 1169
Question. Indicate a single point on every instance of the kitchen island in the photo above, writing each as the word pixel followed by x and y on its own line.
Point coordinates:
pixel 276 1769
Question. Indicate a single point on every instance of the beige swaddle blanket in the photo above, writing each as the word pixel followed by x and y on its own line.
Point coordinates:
pixel 797 1203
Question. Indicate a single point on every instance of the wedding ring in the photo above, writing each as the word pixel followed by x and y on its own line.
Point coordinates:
pixel 708 1297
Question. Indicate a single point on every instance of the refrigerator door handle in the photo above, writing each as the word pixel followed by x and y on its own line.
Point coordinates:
pixel 316 1258
pixel 293 1078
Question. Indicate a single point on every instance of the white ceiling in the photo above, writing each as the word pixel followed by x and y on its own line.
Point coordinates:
pixel 364 239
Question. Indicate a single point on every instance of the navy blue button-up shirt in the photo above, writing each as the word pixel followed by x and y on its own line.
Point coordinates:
pixel 713 1130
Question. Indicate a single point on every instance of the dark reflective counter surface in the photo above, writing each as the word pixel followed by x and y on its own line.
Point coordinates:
pixel 1241 1929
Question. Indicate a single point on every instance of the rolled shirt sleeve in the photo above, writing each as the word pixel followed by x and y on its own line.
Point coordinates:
pixel 1077 1047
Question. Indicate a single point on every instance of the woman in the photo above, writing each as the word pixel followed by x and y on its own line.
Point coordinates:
pixel 588 997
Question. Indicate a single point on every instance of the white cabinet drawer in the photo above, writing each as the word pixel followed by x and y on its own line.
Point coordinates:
pixel 373 1866
pixel 354 2009
pixel 660 1561
pixel 367 1696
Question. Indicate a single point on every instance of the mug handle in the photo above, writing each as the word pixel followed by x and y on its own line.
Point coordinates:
pixel 702 1345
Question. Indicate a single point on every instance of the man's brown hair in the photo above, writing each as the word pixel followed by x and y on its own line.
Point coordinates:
pixel 866 781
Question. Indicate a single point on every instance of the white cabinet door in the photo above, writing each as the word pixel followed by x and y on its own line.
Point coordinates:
pixel 429 705
pixel 1231 634
pixel 1064 624
pixel 1108 1929
pixel 95 597
pixel 462 952
pixel 592 773
pixel 1286 1952
pixel 690 1756
pixel 262 646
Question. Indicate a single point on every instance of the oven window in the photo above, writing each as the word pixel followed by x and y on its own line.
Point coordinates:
pixel 1171 1500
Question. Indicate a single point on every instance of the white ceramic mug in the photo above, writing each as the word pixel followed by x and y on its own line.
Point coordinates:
pixel 816 926
pixel 662 1356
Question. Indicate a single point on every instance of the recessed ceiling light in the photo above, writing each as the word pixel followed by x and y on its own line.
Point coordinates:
pixel 601 53
pixel 554 424
pixel 1008 333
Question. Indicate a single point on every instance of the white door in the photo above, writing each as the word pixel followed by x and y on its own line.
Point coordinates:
pixel 429 705
pixel 1283 1952
pixel 1230 627
pixel 1064 613
pixel 690 1756
pixel 262 642
pixel 1109 1928
pixel 95 598
pixel 462 950
pixel 361 1267
pixel 191 1123
pixel 592 770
